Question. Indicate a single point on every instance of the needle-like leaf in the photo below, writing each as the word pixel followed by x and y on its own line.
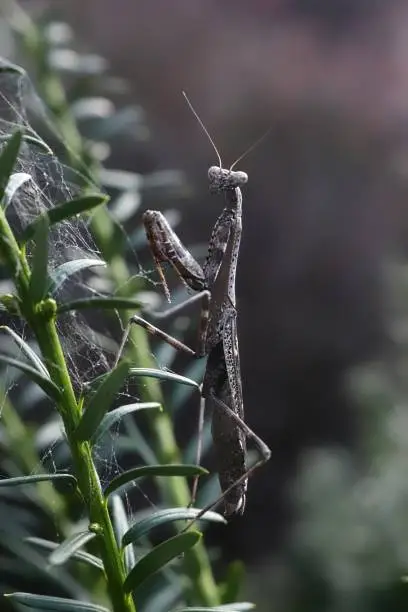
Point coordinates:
pixel 79 555
pixel 185 471
pixel 45 383
pixel 67 210
pixel 117 414
pixel 69 547
pixel 101 401
pixel 163 375
pixel 158 557
pixel 242 606
pixel 53 604
pixel 168 515
pixel 69 480
pixel 27 350
pixel 67 269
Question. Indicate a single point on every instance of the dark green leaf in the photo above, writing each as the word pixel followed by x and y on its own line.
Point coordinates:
pixel 101 401
pixel 79 555
pixel 242 606
pixel 30 136
pixel 68 479
pixel 38 142
pixel 69 547
pixel 53 604
pixel 151 373
pixel 8 159
pixel 109 303
pixel 67 269
pixel 163 375
pixel 239 606
pixel 67 210
pixel 117 414
pixel 168 515
pixel 158 557
pixel 46 384
pixel 39 277
pixel 27 350
pixel 186 471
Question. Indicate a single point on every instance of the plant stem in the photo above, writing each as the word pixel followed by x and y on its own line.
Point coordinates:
pixel 41 318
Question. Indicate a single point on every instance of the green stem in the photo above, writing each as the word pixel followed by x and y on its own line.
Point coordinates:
pixel 84 468
pixel 41 318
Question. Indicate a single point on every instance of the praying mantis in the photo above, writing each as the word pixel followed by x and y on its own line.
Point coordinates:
pixel 214 283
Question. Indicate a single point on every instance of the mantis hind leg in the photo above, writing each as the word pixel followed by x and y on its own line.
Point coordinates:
pixel 263 448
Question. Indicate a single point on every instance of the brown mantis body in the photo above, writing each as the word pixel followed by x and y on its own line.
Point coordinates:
pixel 218 338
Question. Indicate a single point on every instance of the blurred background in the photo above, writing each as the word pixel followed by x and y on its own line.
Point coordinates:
pixel 322 280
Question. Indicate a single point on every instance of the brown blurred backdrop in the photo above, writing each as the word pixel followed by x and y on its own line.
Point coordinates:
pixel 325 202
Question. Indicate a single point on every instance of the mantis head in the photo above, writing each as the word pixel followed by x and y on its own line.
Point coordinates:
pixel 221 179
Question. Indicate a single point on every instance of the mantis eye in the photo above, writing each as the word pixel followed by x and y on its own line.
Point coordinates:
pixel 240 178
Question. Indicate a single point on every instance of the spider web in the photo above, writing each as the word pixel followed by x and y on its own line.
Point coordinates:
pixel 89 348
pixel 47 186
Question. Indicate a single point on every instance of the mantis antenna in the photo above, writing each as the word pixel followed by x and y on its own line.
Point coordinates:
pixel 203 127
pixel 251 148
pixel 206 132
